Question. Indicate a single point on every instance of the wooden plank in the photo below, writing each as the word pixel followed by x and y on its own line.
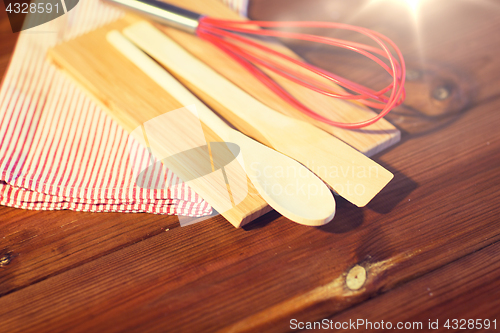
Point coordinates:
pixel 38 244
pixel 369 140
pixel 202 267
pixel 441 206
pixel 449 215
pixel 471 284
pixel 307 264
pixel 133 99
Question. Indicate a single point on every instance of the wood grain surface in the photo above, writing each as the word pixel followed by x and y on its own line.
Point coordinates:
pixel 429 243
pixel 431 298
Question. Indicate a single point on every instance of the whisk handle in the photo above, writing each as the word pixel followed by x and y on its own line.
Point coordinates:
pixel 164 13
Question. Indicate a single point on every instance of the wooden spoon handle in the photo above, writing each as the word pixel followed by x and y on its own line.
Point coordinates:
pixel 168 82
pixel 191 69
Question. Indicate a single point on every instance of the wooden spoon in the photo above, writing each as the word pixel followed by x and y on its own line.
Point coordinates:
pixel 288 186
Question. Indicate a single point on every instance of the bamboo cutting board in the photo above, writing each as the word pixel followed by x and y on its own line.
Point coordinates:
pixel 133 99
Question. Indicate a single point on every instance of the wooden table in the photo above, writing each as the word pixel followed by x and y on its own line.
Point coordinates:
pixel 429 242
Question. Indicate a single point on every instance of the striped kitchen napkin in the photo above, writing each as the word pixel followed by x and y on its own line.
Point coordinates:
pixel 59 149
pixel 239 6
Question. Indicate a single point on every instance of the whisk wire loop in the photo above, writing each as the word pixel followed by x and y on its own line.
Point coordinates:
pixel 224 34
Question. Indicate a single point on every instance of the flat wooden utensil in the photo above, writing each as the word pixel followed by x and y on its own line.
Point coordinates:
pixel 133 99
pixel 351 174
pixel 313 206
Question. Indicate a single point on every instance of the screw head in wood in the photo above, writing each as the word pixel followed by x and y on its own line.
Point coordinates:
pixel 356 278
pixel 441 93
pixel 5 260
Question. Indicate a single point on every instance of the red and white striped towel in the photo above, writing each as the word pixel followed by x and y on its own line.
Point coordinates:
pixel 59 150
pixel 239 6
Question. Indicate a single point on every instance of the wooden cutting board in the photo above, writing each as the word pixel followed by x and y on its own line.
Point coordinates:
pixel 132 99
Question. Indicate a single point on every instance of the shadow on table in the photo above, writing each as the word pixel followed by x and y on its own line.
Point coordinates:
pixel 347 217
pixel 262 221
pixel 396 191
